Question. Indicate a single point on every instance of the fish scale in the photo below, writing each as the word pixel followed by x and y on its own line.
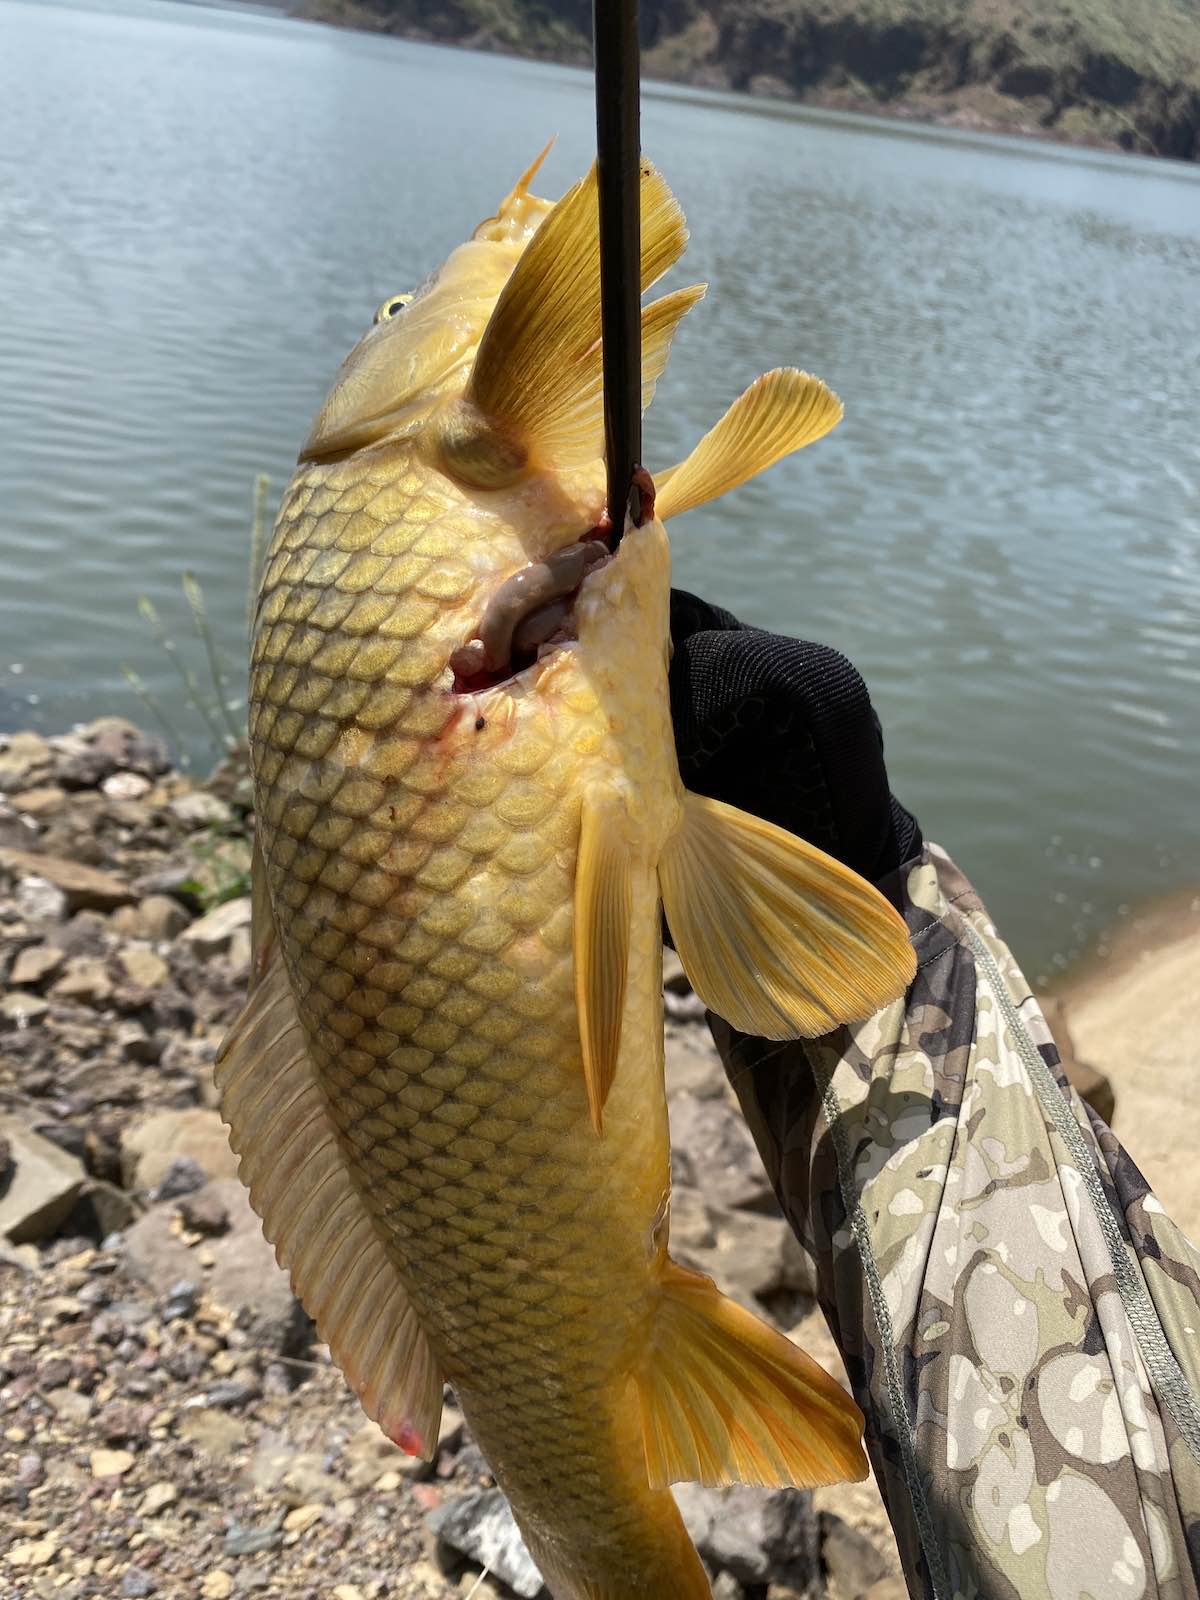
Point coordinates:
pixel 450 1056
pixel 447 1087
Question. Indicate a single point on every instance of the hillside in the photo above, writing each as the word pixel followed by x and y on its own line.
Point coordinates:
pixel 1092 71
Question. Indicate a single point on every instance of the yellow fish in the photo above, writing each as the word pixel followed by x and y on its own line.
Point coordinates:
pixel 447 1086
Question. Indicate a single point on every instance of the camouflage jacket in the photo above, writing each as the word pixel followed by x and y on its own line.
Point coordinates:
pixel 1020 1319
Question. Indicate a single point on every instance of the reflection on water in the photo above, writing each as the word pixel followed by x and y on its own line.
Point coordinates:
pixel 200 210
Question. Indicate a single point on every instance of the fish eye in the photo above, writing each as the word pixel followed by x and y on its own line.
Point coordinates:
pixel 392 307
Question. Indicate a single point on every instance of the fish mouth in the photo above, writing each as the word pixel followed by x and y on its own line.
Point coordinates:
pixel 533 613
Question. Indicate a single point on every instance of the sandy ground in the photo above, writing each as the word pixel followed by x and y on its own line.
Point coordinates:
pixel 1134 1013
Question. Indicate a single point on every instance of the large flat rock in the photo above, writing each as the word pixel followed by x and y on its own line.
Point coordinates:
pixel 86 888
pixel 39 1183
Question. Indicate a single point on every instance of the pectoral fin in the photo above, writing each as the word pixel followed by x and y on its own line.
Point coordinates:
pixel 725 1399
pixel 603 902
pixel 311 1210
pixel 777 937
pixel 780 412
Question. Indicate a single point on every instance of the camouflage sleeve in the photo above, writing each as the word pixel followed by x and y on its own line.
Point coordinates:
pixel 1018 1316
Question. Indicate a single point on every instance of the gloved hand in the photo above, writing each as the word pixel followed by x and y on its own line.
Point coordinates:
pixel 784 729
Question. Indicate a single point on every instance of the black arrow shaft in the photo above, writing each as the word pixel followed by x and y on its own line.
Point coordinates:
pixel 618 137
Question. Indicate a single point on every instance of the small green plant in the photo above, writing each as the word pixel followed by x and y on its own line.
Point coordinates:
pixel 222 714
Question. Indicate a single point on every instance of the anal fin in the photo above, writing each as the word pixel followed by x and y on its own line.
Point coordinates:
pixel 777 937
pixel 311 1210
pixel 725 1399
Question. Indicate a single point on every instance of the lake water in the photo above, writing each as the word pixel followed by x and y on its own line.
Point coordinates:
pixel 200 210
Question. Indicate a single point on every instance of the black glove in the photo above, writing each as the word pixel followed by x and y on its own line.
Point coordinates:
pixel 784 729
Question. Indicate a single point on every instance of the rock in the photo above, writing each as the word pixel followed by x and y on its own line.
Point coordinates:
pixel 136 1582
pixel 42 1188
pixel 45 801
pixel 211 935
pixel 244 1276
pixel 890 1588
pixel 691 1223
pixel 368 1455
pixel 685 1008
pixel 118 1422
pixel 86 979
pixel 32 1553
pixel 108 745
pixel 205 1212
pixel 125 786
pixel 160 917
pixel 300 1518
pixel 157 1498
pixel 86 888
pixel 184 1176
pixel 757 1537
pixel 181 1300
pixel 1090 1084
pixel 149 1148
pixel 135 1044
pixel 849 1556
pixel 104 1210
pixel 216 1585
pixel 144 967
pixel 725 1157
pixel 20 1011
pixel 201 809
pixel 69 1406
pixel 693 1065
pixel 36 965
pixel 480 1525
pixel 38 900
pixel 750 1258
pixel 110 1463
pixel 215 1433
pixel 24 758
pixel 241 1539
pixel 231 1394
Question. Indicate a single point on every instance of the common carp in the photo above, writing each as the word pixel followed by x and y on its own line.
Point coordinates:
pixel 447 1086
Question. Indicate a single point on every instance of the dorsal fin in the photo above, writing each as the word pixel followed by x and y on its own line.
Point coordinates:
pixel 535 369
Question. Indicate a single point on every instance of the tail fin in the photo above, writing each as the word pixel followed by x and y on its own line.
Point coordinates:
pixel 680 1574
pixel 538 368
pixel 725 1399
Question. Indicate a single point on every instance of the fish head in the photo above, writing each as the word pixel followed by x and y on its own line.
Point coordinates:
pixel 489 378
pixel 420 345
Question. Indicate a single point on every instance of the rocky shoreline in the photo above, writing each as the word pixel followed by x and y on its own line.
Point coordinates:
pixel 169 1425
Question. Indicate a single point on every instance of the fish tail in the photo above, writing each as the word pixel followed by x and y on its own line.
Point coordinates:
pixel 679 1574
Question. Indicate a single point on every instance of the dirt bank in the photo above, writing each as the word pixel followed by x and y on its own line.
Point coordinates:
pixel 1133 1007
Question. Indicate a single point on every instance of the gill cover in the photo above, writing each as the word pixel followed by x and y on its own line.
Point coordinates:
pixel 406 361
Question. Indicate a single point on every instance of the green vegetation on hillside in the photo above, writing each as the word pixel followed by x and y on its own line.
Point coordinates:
pixel 1118 72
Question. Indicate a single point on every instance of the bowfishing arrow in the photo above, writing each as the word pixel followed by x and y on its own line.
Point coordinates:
pixel 618 137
